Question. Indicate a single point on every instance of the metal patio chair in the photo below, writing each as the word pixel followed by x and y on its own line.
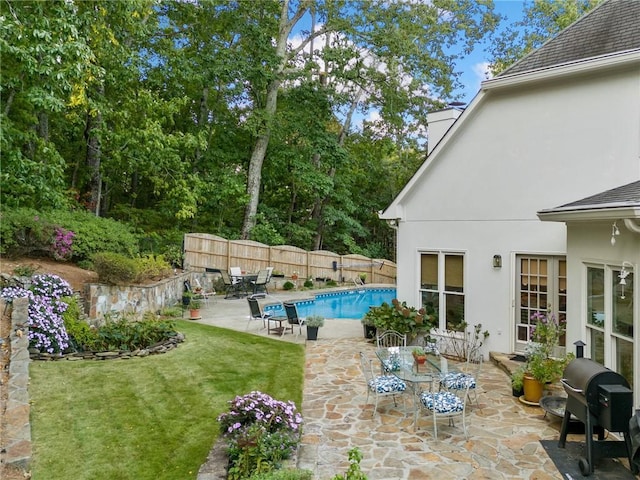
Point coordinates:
pixel 380 385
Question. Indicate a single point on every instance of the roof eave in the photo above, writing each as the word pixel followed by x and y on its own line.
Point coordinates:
pixel 395 210
pixel 589 214
pixel 618 59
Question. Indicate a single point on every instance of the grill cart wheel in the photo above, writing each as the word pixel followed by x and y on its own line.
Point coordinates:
pixel 585 469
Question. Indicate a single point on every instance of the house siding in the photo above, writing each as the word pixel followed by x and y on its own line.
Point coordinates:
pixel 518 151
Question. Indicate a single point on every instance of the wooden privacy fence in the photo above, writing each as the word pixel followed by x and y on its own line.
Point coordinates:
pixel 202 251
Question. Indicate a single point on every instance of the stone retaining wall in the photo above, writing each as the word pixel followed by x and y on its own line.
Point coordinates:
pixel 15 432
pixel 135 300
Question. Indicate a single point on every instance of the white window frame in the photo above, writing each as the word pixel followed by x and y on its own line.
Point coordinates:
pixel 610 337
pixel 442 293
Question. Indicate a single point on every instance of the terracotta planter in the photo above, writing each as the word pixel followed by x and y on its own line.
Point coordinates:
pixel 420 359
pixel 195 313
pixel 533 389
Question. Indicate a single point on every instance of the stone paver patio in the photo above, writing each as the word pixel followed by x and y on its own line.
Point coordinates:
pixel 504 434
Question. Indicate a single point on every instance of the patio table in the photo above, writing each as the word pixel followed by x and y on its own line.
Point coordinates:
pixel 245 280
pixel 399 361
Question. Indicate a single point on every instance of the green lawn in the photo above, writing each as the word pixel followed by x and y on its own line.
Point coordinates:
pixel 154 417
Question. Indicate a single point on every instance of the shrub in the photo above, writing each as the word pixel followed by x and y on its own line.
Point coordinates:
pixel 96 234
pixel 63 235
pixel 400 317
pixel 114 268
pixel 288 285
pixel 150 266
pixel 260 432
pixel 332 283
pixel 27 232
pixel 79 331
pixel 117 269
pixel 126 334
pixel 308 283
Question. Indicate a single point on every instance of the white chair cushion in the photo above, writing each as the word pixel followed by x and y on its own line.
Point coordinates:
pixel 442 402
pixel 457 381
pixel 431 347
pixel 387 384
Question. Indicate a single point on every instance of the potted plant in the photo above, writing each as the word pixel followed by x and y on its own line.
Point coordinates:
pixel 399 317
pixel 186 298
pixel 419 355
pixel 194 308
pixel 542 366
pixel 313 322
pixel 369 327
pixel 517 381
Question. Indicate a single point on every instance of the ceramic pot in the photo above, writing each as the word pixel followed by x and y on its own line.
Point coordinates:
pixel 533 389
pixel 420 359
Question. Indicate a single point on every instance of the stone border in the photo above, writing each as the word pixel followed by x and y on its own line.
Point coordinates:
pixel 163 347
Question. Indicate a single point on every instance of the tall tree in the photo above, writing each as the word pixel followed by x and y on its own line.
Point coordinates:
pixel 394 51
pixel 44 57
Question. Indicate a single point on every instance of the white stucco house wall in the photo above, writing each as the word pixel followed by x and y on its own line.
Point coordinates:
pixel 560 125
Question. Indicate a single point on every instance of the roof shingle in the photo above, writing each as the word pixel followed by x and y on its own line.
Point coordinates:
pixel 611 27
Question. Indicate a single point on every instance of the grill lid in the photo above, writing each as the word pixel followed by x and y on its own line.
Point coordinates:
pixel 582 376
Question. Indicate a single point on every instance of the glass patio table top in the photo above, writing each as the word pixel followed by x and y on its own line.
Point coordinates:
pixel 399 361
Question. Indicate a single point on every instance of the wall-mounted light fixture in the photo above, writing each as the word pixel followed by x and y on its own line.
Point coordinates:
pixel 497 261
pixel 615 231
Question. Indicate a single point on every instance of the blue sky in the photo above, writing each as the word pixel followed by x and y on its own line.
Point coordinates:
pixel 472 66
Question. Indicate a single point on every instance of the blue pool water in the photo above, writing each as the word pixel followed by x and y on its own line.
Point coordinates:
pixel 344 304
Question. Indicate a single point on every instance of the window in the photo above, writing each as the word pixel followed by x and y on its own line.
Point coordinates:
pixel 442 287
pixel 610 318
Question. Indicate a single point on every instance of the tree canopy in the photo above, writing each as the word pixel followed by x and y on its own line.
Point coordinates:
pixel 283 121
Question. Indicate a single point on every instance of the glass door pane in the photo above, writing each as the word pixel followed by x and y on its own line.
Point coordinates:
pixel 595 297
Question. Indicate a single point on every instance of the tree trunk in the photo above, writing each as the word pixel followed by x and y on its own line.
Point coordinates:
pixel 93 158
pixel 262 141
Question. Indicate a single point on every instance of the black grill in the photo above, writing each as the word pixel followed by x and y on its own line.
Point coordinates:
pixel 601 399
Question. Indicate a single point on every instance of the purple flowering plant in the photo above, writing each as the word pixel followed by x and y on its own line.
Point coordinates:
pixel 62 243
pixel 46 325
pixel 260 431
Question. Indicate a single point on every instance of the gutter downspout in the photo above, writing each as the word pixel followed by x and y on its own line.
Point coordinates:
pixel 631 225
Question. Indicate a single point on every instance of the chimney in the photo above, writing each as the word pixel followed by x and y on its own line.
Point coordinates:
pixel 438 123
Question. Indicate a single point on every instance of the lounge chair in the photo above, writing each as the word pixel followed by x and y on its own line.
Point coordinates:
pixel 292 316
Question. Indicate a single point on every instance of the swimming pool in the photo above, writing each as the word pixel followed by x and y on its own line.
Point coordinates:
pixel 348 304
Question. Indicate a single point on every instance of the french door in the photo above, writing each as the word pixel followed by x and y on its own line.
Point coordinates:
pixel 542 287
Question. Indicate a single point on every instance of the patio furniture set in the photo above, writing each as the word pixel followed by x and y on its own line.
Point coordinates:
pixel 276 324
pixel 238 284
pixel 435 387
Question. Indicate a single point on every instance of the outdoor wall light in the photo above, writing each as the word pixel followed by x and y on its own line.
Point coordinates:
pixel 615 231
pixel 497 261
